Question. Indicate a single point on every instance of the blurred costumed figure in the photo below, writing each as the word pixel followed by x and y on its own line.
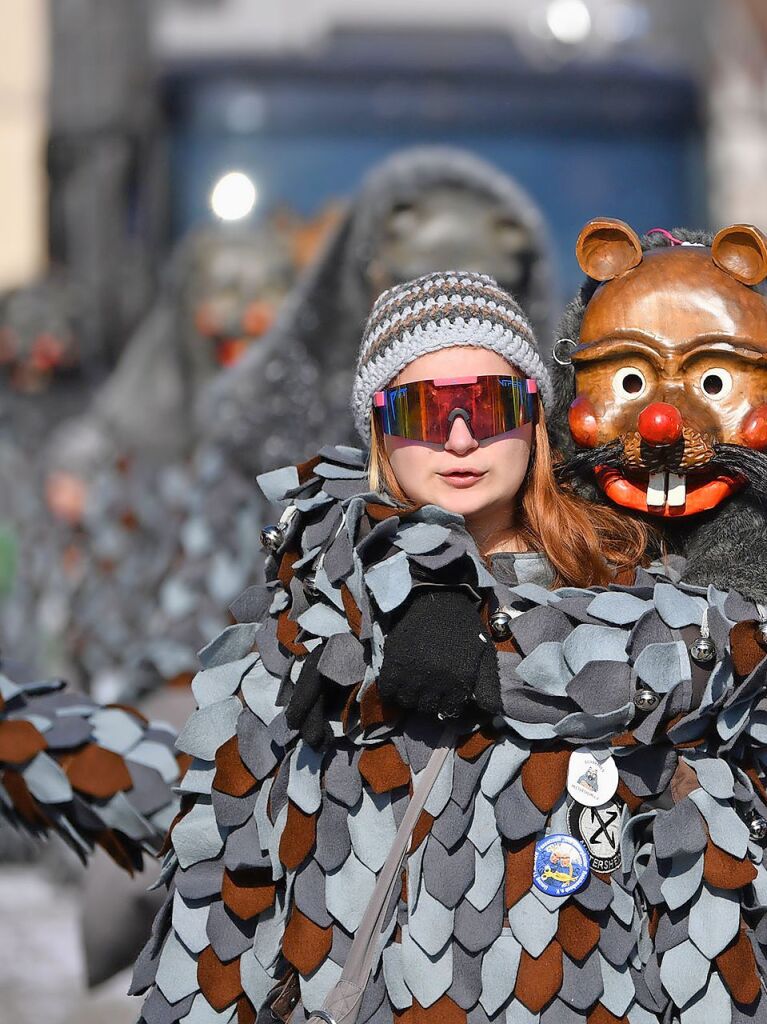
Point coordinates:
pixel 43 381
pixel 116 480
pixel 221 292
pixel 60 335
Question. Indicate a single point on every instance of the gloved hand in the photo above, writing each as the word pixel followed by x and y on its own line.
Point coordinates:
pixel 306 710
pixel 438 656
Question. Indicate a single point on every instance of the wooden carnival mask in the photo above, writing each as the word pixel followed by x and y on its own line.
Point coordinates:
pixel 671 365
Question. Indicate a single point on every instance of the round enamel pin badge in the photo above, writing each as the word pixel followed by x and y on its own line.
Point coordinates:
pixel 591 781
pixel 561 865
pixel 599 829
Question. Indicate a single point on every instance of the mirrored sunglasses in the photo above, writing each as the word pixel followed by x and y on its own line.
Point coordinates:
pixel 425 410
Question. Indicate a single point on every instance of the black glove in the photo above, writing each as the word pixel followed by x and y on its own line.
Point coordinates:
pixel 438 656
pixel 306 710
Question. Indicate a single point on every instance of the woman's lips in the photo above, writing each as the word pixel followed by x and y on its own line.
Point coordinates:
pixel 461 478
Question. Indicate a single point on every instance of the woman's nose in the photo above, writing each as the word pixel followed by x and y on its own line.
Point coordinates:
pixel 460 440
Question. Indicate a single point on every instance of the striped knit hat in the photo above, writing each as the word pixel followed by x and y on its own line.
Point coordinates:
pixel 436 311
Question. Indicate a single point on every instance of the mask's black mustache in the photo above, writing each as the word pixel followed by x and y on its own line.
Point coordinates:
pixel 745 462
pixel 587 459
pixel 733 458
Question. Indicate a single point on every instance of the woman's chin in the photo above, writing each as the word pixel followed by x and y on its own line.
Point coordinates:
pixel 465 502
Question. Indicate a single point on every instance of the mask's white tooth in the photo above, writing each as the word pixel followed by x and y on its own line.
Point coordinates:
pixel 677 490
pixel 656 490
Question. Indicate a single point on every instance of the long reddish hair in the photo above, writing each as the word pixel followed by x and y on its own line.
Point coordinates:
pixel 587 544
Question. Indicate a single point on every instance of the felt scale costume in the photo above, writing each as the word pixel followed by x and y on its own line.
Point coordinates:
pixel 276 848
pixel 95 775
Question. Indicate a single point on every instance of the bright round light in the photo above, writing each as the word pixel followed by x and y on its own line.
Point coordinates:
pixel 569 21
pixel 233 197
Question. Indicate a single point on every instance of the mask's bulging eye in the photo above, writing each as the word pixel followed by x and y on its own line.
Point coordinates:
pixel 716 383
pixel 629 382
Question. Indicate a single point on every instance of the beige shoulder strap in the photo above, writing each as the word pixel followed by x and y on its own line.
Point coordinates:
pixel 343 1001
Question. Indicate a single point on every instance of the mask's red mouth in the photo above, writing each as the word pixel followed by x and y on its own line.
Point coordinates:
pixel 230 350
pixel 665 494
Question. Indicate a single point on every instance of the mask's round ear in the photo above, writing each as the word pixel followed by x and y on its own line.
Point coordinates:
pixel 741 250
pixel 607 248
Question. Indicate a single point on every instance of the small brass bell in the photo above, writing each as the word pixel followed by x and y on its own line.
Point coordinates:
pixel 646 700
pixel 500 625
pixel 703 649
pixel 272 538
pixel 757 827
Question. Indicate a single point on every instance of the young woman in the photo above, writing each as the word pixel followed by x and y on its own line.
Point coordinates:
pixel 583 853
pixel 503 484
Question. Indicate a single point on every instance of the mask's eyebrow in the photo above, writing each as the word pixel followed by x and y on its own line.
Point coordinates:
pixel 741 348
pixel 623 342
pixel 616 345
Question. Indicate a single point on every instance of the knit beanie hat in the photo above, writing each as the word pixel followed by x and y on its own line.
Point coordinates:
pixel 438 311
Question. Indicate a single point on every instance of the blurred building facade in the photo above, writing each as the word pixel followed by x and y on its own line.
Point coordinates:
pixel 23 86
pixel 738 114
pixel 550 32
pixel 626 142
pixel 106 174
pixel 579 99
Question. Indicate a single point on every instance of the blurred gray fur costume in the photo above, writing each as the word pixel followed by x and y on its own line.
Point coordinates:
pixel 290 392
pixel 48 307
pixel 278 845
pixel 145 407
pixel 726 547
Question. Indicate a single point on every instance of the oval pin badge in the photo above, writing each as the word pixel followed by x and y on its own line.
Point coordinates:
pixel 561 865
pixel 591 781
pixel 599 829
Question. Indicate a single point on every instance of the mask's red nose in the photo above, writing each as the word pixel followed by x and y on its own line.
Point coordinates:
pixel 660 424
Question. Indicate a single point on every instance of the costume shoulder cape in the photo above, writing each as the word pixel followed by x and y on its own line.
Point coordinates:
pixel 93 774
pixel 277 846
